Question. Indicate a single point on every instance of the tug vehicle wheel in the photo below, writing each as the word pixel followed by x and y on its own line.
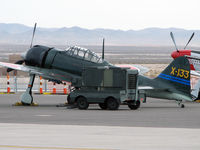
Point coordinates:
pixel 82 103
pixel 134 106
pixel 103 106
pixel 112 104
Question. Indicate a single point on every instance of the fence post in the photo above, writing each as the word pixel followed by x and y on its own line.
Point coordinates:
pixel 45 85
pixel 15 80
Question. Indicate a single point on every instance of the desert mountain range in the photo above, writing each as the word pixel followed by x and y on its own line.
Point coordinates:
pixel 21 34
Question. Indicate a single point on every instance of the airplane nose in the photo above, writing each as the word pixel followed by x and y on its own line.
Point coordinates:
pixel 175 54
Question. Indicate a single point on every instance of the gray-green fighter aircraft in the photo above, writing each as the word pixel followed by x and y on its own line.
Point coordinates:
pixel 67 65
pixel 56 65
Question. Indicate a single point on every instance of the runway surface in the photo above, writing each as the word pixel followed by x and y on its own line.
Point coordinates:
pixel 158 124
pixel 155 113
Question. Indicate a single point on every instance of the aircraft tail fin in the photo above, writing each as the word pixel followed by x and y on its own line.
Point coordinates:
pixel 177 76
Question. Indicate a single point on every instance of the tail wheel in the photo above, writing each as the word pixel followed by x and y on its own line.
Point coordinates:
pixel 112 104
pixel 133 105
pixel 182 106
pixel 103 106
pixel 82 103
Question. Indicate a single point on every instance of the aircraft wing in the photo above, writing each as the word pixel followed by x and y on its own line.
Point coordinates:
pixel 51 74
pixel 141 69
pixel 151 88
pixel 145 88
pixel 195 73
pixel 194 63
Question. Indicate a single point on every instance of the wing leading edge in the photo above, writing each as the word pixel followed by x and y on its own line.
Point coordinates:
pixel 52 74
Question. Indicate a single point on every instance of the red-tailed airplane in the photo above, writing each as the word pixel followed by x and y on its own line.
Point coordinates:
pixel 192 55
pixel 194 60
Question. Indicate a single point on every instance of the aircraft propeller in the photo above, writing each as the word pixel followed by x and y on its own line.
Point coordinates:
pixel 189 40
pixel 23 55
pixel 173 39
pixel 172 36
pixel 33 34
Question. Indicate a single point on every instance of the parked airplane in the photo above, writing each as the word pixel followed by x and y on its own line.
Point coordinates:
pixel 194 60
pixel 67 65
pixel 192 55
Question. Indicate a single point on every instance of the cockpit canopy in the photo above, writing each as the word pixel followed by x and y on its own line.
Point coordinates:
pixel 84 53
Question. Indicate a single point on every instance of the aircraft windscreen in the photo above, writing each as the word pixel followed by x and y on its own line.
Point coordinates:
pixel 84 54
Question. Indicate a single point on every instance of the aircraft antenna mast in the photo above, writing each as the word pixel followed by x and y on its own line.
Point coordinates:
pixel 103 49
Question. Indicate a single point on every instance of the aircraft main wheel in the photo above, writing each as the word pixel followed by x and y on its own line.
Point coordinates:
pixel 134 106
pixel 103 106
pixel 82 103
pixel 68 99
pixel 112 104
pixel 182 105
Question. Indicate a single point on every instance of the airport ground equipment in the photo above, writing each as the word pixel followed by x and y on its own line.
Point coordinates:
pixel 109 87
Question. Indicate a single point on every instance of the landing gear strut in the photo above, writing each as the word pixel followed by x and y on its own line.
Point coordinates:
pixel 26 98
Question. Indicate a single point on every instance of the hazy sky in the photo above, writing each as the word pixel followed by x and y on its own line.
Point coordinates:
pixel 113 14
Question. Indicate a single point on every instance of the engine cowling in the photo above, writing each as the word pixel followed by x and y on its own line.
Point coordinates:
pixel 36 55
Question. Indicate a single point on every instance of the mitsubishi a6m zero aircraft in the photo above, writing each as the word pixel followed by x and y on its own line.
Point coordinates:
pixel 67 65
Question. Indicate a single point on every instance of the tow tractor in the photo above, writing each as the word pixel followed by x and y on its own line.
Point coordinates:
pixel 109 87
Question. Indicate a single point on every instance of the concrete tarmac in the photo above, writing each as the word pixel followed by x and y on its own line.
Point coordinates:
pixel 158 124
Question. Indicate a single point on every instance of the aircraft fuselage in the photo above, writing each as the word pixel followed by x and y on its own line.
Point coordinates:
pixel 194 57
pixel 71 61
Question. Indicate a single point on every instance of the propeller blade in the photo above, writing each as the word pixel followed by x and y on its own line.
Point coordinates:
pixel 189 40
pixel 103 49
pixel 17 62
pixel 33 34
pixel 172 36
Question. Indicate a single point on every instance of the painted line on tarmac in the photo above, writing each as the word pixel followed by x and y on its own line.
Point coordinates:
pixel 43 115
pixel 7 93
pixel 52 148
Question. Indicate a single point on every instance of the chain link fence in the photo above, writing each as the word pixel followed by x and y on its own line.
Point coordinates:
pixel 19 84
